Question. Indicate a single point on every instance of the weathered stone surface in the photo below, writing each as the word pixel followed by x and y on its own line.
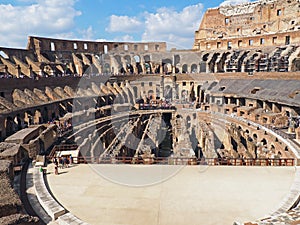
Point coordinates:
pixel 19 219
pixel 41 95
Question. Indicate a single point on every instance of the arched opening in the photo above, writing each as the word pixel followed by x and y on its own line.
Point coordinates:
pixel 62 109
pixel 264 141
pixel 106 68
pixel 151 94
pixel 28 118
pixel 184 95
pixel 168 92
pixel 198 90
pixel 9 126
pixel 221 63
pixel 188 122
pixel 255 136
pixel 138 65
pixel 119 64
pixel 38 117
pixel 135 90
pixel 185 68
pixel 45 114
pixel 212 62
pixel 203 63
pixel 177 63
pixel 194 68
pixel 192 93
pixel 129 67
pixel 148 68
pixel 18 122
pixel 205 57
pixel 167 66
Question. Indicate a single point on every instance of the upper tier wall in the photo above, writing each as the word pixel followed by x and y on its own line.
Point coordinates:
pixel 258 24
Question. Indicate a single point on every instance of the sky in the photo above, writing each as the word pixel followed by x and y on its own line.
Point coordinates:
pixel 171 21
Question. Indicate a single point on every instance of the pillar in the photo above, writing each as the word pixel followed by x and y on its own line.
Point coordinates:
pixel 173 87
pixel 161 86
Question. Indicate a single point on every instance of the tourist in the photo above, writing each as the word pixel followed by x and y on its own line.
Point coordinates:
pixel 71 160
pixel 55 166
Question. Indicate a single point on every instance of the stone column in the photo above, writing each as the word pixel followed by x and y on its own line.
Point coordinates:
pixel 243 67
pixel 297 130
pixel 207 67
pixel 161 86
pixel 173 87
pixel 161 69
pixel 18 71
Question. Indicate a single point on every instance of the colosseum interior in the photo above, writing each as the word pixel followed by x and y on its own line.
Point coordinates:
pixel 231 100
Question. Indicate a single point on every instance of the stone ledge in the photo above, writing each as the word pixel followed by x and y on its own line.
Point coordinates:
pixel 69 219
pixel 53 209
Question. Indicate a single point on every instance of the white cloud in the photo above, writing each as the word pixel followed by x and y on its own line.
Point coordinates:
pixel 125 38
pixel 43 17
pixel 172 26
pixel 124 24
pixel 87 34
pixel 166 24
pixel 234 2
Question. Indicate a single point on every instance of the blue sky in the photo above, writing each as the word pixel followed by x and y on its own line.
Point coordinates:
pixel 171 21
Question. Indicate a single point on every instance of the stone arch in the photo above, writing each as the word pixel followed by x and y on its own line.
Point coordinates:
pixel 53 116
pixel 198 90
pixel 119 64
pixel 184 95
pixel 69 106
pixel 131 96
pixel 45 114
pixel 255 136
pixel 167 66
pixel 151 94
pixel 127 59
pixel 106 68
pixel 135 89
pixel 264 141
pixel 148 68
pixel 272 147
pixel 188 121
pixel 194 68
pixel 9 126
pixel 62 109
pixel 241 61
pixel 147 58
pixel 205 57
pixel 137 58
pixel 203 63
pixel 28 118
pixel 177 63
pixel 221 63
pixel 129 66
pixel 18 122
pixel 184 68
pixel 212 62
pixel 139 68
pixel 168 92
pixel 37 117
pixel 176 59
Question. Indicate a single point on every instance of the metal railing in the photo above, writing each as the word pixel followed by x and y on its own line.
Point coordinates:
pixel 188 161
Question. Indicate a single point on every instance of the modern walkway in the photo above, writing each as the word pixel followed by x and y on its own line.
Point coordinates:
pixel 178 195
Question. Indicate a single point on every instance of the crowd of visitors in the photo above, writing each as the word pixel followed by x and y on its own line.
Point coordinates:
pixel 62 162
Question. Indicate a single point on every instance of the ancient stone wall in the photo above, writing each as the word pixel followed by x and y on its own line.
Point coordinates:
pixel 256 24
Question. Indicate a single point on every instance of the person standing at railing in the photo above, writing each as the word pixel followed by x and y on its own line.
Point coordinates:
pixel 71 160
pixel 55 166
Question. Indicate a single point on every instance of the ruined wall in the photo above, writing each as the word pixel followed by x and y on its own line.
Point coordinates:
pixel 257 24
pixel 48 44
